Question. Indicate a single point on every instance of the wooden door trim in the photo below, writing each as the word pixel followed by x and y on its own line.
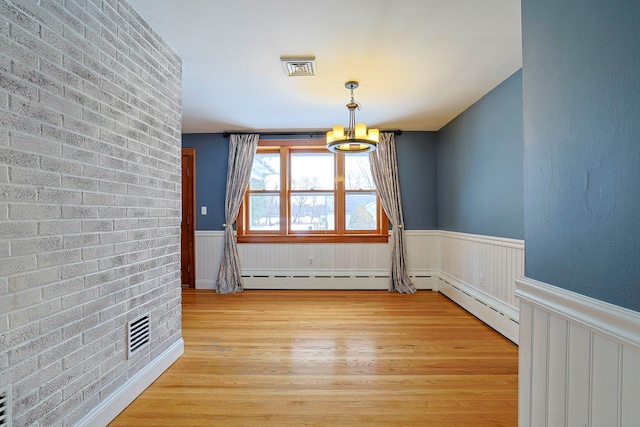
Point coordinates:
pixel 191 152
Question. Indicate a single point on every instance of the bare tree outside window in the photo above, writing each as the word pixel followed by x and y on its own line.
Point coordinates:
pixel 312 191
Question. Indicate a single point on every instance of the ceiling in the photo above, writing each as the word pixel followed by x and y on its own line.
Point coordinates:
pixel 420 63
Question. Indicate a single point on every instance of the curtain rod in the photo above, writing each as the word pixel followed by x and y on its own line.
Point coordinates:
pixel 311 134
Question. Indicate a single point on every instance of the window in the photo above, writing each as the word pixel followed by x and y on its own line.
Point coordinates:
pixel 304 192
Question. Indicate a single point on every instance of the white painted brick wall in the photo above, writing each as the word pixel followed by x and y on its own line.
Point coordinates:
pixel 90 111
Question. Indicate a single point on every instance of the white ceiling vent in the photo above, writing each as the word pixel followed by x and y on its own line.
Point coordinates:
pixel 295 67
pixel 5 406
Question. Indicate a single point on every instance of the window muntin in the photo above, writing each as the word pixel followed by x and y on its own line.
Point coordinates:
pixel 264 193
pixel 305 193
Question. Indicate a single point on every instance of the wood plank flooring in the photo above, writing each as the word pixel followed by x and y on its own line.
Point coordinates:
pixel 332 358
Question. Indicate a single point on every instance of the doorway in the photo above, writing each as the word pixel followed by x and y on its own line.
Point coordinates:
pixel 188 225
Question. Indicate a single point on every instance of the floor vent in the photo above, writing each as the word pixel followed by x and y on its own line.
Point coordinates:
pixel 5 406
pixel 137 334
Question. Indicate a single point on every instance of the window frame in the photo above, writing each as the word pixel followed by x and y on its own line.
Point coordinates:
pixel 284 235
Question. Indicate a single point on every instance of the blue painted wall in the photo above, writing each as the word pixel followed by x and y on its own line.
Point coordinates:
pixel 212 153
pixel 416 152
pixel 480 166
pixel 417 171
pixel 581 87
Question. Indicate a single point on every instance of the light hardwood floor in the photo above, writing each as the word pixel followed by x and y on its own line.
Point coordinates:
pixel 332 358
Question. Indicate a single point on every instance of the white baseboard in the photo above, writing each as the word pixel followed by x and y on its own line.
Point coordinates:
pixel 107 410
pixel 495 313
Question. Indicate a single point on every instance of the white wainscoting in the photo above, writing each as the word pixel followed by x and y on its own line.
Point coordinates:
pixel 336 262
pixel 579 360
pixel 335 266
pixel 320 257
pixel 479 274
pixel 445 261
pixel 208 254
pixel 487 264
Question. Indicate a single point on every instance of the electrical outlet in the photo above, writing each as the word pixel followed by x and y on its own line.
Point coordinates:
pixel 312 261
pixel 481 281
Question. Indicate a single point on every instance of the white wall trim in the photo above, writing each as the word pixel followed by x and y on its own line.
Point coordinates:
pixel 614 322
pixel 107 410
pixel 209 233
pixel 419 232
pixel 491 240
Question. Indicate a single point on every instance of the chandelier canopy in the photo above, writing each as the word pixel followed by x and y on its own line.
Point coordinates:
pixel 354 139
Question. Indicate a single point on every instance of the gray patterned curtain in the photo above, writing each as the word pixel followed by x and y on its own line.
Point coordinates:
pixel 242 149
pixel 384 168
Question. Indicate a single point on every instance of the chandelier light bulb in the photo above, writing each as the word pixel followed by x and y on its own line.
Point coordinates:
pixel 356 138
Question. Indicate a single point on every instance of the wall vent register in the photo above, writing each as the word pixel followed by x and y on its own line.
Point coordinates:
pixel 5 406
pixel 137 334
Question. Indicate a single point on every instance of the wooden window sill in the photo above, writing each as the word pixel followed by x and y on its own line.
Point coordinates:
pixel 301 238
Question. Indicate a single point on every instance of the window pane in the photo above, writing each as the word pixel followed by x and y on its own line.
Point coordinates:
pixel 265 172
pixel 357 173
pixel 361 211
pixel 264 212
pixel 310 171
pixel 312 211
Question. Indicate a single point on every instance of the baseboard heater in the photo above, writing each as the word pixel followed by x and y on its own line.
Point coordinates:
pixel 491 311
pixel 262 280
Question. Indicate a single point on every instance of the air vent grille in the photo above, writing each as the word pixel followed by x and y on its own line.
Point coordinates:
pixel 137 334
pixel 298 67
pixel 5 406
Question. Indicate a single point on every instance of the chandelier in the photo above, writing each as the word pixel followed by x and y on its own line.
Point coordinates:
pixel 354 139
